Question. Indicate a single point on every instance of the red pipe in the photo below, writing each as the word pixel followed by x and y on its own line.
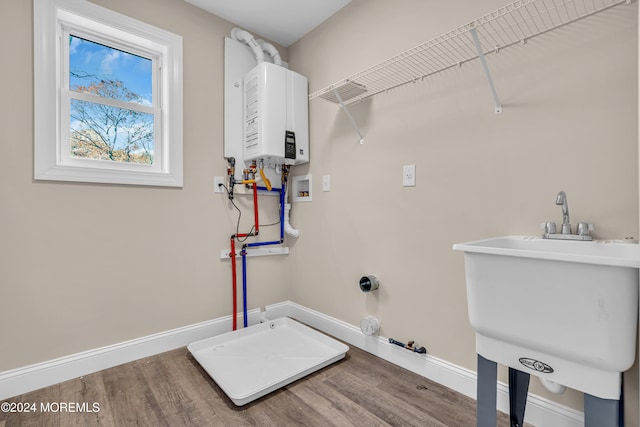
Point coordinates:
pixel 255 206
pixel 232 254
pixel 256 227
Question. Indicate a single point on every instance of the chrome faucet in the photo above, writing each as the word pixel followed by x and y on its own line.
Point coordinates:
pixel 582 231
pixel 561 200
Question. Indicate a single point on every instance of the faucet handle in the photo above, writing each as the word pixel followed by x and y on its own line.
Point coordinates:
pixel 548 227
pixel 584 229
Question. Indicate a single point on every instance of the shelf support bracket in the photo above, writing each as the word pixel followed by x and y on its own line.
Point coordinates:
pixel 487 72
pixel 353 122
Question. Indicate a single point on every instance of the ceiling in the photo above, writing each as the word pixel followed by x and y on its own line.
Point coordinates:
pixel 281 21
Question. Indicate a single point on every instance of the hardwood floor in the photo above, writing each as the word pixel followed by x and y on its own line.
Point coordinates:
pixel 171 389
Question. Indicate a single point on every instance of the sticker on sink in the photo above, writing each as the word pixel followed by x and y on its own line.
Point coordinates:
pixel 536 365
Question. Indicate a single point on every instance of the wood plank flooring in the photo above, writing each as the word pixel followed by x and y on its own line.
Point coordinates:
pixel 171 389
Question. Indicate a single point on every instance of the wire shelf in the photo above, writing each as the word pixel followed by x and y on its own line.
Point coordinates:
pixel 512 24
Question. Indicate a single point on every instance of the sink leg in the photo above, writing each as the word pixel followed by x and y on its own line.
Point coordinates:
pixel 601 412
pixel 518 389
pixel 486 393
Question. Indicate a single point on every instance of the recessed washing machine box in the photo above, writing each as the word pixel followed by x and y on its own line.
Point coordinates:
pixel 276 115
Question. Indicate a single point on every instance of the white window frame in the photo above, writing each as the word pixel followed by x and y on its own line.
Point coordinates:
pixel 53 20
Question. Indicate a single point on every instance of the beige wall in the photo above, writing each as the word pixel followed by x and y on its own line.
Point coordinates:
pixel 83 265
pixel 569 123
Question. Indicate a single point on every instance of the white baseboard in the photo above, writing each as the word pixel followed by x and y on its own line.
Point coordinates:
pixel 539 412
pixel 32 377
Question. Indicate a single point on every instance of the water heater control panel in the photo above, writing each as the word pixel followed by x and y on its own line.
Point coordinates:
pixel 289 145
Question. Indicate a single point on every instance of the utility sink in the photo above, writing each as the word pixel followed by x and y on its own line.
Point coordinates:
pixel 565 311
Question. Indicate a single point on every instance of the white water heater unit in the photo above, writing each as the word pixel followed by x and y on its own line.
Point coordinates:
pixel 276 115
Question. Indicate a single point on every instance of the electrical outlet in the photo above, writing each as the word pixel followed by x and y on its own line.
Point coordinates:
pixel 218 182
pixel 409 175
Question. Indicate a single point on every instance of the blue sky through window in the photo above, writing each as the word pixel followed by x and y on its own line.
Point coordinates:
pixel 91 62
pixel 102 131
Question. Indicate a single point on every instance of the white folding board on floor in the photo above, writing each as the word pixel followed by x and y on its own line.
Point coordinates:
pixel 252 362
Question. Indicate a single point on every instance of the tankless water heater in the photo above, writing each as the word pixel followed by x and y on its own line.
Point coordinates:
pixel 276 115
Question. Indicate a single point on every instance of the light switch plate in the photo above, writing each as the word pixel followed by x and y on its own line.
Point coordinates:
pixel 409 175
pixel 326 182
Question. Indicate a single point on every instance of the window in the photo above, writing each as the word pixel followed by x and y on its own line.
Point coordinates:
pixel 111 106
pixel 108 97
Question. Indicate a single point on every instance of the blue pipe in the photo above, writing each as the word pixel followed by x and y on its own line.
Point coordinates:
pixel 282 202
pixel 254 244
pixel 266 189
pixel 243 253
pixel 274 242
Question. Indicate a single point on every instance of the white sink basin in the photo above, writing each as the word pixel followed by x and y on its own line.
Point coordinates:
pixel 570 306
